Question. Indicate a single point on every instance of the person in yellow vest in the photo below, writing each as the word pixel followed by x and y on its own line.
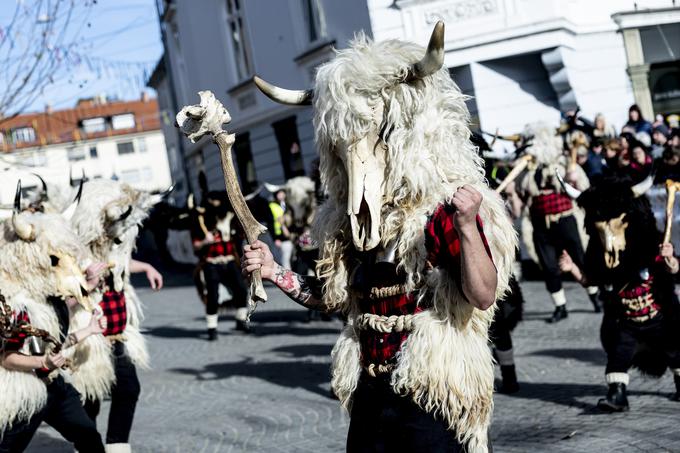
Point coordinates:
pixel 281 233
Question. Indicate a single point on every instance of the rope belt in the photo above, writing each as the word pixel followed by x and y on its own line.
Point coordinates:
pixel 384 324
pixel 554 218
pixel 375 369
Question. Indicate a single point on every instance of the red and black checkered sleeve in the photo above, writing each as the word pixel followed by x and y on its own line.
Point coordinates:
pixel 114 308
pixel 442 240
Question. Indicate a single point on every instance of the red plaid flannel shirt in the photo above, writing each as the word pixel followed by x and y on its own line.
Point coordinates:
pixel 550 204
pixel 443 247
pixel 217 248
pixel 113 307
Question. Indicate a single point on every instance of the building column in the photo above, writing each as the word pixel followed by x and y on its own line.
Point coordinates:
pixel 638 72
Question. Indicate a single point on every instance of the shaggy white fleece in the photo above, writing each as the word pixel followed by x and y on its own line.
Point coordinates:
pixel 445 365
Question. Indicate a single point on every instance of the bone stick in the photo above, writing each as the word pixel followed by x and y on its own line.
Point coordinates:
pixel 514 173
pixel 195 121
pixel 671 188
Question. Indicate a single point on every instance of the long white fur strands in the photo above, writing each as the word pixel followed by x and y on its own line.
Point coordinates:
pixel 445 364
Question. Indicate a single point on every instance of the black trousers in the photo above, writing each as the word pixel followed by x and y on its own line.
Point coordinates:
pixel 382 421
pixel 550 242
pixel 124 396
pixel 620 339
pixel 230 276
pixel 63 412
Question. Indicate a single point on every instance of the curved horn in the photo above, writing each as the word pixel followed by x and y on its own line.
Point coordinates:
pixel 17 198
pixel 126 214
pixel 273 188
pixel 434 57
pixel 283 96
pixel 643 186
pixel 22 228
pixel 44 184
pixel 68 212
pixel 572 191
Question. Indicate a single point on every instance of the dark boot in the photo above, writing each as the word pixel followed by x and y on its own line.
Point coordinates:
pixel 595 300
pixel 616 400
pixel 559 314
pixel 676 395
pixel 243 326
pixel 212 334
pixel 510 384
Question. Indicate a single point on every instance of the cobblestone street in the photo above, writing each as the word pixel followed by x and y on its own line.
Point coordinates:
pixel 270 392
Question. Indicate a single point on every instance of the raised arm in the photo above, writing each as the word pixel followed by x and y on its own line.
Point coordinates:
pixel 304 290
pixel 478 273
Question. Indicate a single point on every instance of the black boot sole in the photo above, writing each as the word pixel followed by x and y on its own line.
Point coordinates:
pixel 606 406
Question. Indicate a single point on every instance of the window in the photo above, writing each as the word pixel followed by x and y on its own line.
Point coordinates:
pixel 124 121
pixel 313 14
pixel 93 125
pixel 75 153
pixel 244 161
pixel 289 147
pixel 238 39
pixel 23 135
pixel 141 145
pixel 130 176
pixel 125 148
pixel 93 152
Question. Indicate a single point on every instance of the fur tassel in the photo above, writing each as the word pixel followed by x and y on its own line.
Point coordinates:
pixel 92 365
pixel 346 358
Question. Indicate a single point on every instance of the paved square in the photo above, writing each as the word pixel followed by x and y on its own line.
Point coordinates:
pixel 269 392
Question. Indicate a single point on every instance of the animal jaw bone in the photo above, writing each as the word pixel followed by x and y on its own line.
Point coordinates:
pixel 671 188
pixel 195 121
pixel 519 167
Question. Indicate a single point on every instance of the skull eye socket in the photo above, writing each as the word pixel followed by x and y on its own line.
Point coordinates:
pixel 117 241
pixel 54 260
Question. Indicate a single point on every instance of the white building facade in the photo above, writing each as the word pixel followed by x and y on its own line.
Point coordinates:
pixel 519 60
pixel 116 140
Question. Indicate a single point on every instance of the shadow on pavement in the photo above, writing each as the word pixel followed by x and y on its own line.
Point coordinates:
pixel 568 394
pixel 594 356
pixel 307 376
pixel 305 350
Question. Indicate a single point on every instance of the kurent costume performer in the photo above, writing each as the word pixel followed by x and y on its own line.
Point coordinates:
pixel 107 221
pixel 640 306
pixel 217 242
pixel 551 211
pixel 399 235
pixel 40 271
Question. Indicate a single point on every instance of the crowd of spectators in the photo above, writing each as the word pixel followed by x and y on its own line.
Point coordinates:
pixel 641 147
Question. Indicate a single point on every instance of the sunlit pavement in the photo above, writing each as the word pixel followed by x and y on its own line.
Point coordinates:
pixel 269 391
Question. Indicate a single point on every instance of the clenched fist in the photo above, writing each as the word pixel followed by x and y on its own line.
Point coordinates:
pixel 467 200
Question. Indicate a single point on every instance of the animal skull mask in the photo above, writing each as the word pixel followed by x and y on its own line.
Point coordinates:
pixel 612 234
pixel 364 157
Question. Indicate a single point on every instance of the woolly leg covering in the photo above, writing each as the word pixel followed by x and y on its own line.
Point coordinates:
pixel 617 378
pixel 241 314
pixel 505 357
pixel 559 298
pixel 211 321
pixel 118 448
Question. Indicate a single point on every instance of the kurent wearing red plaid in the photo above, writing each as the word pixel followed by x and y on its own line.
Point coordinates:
pixel 550 204
pixel 113 307
pixel 217 248
pixel 443 247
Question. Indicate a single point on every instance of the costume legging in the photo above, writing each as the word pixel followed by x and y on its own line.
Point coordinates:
pixel 230 276
pixel 550 241
pixel 124 395
pixel 63 412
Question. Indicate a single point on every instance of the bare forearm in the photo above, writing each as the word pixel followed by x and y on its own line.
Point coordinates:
pixel 478 273
pixel 19 362
pixel 138 266
pixel 305 290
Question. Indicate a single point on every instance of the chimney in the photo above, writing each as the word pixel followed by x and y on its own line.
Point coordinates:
pixel 48 108
pixel 145 96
